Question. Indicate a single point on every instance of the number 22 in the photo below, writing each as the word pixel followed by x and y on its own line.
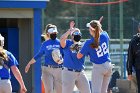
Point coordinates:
pixel 102 50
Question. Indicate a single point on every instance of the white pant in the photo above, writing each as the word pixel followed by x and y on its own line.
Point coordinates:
pixel 52 80
pixel 101 74
pixel 5 86
pixel 70 79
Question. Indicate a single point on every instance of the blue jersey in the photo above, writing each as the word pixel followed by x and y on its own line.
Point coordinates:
pixel 70 58
pixel 100 55
pixel 5 70
pixel 46 50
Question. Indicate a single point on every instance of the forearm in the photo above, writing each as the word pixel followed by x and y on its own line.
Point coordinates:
pixel 65 35
pixel 32 61
pixel 63 38
pixel 17 75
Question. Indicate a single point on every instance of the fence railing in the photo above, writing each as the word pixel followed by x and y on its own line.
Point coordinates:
pixel 117 62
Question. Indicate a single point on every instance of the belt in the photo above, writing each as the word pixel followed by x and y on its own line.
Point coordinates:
pixel 3 78
pixel 51 66
pixel 73 70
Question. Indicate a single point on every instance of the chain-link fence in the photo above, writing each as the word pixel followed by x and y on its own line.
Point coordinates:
pixel 130 25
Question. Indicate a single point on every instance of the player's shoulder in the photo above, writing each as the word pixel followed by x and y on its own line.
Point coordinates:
pixel 88 41
pixel 49 41
pixel 54 41
pixel 8 52
pixel 69 41
pixel 45 42
pixel 104 35
pixel 57 40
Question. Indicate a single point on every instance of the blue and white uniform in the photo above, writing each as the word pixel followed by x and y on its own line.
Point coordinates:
pixel 5 84
pixel 100 58
pixel 70 59
pixel 73 72
pixel 51 71
pixel 100 55
pixel 46 49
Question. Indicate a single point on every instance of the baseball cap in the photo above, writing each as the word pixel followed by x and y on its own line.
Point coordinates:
pixel 95 23
pixel 76 31
pixel 52 30
pixel 89 26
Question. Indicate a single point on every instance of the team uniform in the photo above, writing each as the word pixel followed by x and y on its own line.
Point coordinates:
pixel 5 84
pixel 73 72
pixel 100 58
pixel 51 71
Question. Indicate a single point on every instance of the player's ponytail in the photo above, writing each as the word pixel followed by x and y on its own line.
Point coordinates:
pixel 94 24
pixel 3 55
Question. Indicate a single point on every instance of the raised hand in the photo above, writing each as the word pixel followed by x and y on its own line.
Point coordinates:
pixel 23 90
pixel 72 24
pixel 101 18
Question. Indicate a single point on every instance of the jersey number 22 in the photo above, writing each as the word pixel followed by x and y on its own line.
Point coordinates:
pixel 102 50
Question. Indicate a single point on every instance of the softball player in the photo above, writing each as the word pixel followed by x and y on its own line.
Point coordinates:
pixel 51 71
pixel 73 72
pixel 97 49
pixel 7 62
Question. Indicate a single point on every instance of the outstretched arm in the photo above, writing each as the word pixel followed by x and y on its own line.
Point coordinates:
pixel 18 76
pixel 32 61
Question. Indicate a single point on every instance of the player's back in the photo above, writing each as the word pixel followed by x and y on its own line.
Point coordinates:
pixel 101 54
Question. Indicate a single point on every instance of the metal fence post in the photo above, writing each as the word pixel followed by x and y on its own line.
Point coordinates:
pixel 124 64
